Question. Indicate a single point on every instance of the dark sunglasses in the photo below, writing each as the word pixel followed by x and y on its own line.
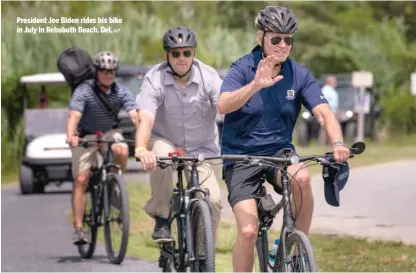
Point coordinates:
pixel 277 40
pixel 107 72
pixel 186 53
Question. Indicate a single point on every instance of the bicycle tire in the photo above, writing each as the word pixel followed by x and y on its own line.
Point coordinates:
pixel 299 238
pixel 86 251
pixel 125 219
pixel 201 211
pixel 262 247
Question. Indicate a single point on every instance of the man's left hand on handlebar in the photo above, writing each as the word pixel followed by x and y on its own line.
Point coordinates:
pixel 73 141
pixel 147 158
pixel 340 151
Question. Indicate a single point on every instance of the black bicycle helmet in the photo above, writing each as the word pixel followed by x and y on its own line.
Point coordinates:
pixel 179 37
pixel 277 19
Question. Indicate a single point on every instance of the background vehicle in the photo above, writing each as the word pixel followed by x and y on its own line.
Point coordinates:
pixel 309 128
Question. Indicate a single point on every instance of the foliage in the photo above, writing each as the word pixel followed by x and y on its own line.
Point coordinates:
pixel 333 37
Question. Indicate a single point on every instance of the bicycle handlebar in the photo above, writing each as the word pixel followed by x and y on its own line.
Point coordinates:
pixel 84 142
pixel 356 148
pixel 328 158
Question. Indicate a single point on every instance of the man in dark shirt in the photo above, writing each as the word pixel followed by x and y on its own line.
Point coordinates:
pixel 261 98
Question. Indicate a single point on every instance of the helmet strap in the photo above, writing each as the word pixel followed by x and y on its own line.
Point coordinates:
pixel 173 72
pixel 263 54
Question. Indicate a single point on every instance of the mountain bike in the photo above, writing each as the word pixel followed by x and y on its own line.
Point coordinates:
pixel 107 193
pixel 190 216
pixel 303 259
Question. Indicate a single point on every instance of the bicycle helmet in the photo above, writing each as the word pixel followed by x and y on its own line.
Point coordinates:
pixel 106 60
pixel 277 19
pixel 179 37
pixel 335 177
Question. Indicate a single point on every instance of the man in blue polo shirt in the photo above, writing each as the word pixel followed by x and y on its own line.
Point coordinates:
pixel 261 98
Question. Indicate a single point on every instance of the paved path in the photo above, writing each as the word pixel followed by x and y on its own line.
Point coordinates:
pixel 378 202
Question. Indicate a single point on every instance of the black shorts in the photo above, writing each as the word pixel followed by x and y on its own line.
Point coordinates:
pixel 243 182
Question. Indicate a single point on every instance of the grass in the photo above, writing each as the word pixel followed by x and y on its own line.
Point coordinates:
pixel 332 253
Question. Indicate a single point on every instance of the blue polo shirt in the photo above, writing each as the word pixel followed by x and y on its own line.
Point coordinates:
pixel 264 125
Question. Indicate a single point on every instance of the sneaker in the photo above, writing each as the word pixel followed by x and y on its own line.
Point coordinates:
pixel 161 233
pixel 79 238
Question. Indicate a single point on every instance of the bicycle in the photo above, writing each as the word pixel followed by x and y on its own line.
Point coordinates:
pixel 268 209
pixel 191 213
pixel 106 190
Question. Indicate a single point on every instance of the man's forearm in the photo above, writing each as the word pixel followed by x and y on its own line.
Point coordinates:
pixel 72 123
pixel 143 133
pixel 230 101
pixel 333 128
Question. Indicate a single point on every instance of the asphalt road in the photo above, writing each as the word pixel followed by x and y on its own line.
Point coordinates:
pixel 36 235
pixel 378 202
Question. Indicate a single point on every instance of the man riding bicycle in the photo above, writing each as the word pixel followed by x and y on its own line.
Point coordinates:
pixel 261 98
pixel 177 109
pixel 86 116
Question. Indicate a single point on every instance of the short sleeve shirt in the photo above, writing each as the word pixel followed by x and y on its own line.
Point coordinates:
pixel 265 124
pixel 185 117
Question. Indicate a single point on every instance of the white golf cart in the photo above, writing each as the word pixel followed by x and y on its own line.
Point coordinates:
pixel 46 157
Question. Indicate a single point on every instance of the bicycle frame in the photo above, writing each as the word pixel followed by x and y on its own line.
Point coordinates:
pixel 99 182
pixel 183 197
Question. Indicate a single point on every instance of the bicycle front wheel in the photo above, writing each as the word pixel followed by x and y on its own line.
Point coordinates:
pixel 117 221
pixel 90 224
pixel 301 258
pixel 261 264
pixel 203 237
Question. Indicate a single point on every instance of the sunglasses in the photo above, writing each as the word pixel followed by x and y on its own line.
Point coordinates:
pixel 176 54
pixel 277 40
pixel 107 72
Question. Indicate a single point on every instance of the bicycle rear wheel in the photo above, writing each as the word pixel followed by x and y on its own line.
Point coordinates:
pixel 301 258
pixel 90 224
pixel 203 237
pixel 116 211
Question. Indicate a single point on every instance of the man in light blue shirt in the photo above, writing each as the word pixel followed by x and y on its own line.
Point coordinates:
pixel 330 93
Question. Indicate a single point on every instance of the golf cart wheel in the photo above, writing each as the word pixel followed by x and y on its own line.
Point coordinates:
pixel 27 182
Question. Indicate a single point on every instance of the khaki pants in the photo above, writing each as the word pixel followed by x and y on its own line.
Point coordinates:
pixel 85 158
pixel 161 184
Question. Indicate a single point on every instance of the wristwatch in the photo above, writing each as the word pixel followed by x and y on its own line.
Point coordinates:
pixel 338 143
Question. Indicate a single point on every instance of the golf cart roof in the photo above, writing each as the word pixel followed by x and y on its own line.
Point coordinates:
pixel 57 77
pixel 44 78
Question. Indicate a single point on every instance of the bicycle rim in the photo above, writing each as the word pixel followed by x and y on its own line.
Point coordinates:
pixel 116 217
pixel 203 240
pixel 299 249
pixel 86 251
